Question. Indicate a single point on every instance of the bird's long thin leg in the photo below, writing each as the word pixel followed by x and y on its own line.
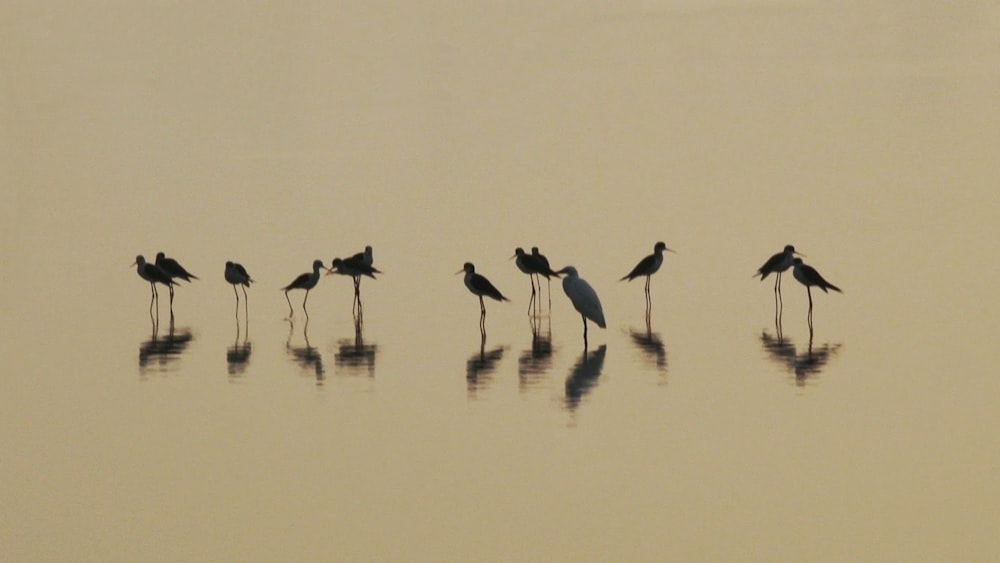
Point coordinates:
pixel 531 302
pixel 306 311
pixel 291 312
pixel 584 332
pixel 246 310
pixel 777 306
pixel 237 302
pixel 809 292
pixel 482 316
pixel 548 286
pixel 152 296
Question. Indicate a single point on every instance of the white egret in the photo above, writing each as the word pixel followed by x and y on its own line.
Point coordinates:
pixel 584 299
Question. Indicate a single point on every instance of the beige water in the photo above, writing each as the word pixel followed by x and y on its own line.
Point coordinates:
pixel 444 132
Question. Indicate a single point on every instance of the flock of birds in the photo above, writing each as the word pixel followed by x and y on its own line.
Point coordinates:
pixel 165 271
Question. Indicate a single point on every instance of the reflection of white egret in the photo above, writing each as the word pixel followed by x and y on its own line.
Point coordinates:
pixel 305 281
pixel 584 299
pixel 480 287
pixel 808 276
pixel 154 275
pixel 236 275
pixel 647 267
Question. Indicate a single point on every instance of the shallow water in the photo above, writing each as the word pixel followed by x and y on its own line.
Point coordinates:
pixel 441 134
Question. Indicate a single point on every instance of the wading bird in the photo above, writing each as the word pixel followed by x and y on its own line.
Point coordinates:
pixel 531 266
pixel 174 270
pixel 776 264
pixel 305 281
pixel 545 271
pixel 808 276
pixel 480 287
pixel 355 267
pixel 647 267
pixel 584 299
pixel 236 274
pixel 154 275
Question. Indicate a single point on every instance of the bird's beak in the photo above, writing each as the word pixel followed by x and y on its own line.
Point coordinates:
pixel 513 256
pixel 133 264
pixel 460 271
pixel 797 253
pixel 669 250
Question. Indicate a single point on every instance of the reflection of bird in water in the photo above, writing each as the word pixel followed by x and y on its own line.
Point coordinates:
pixel 238 355
pixel 305 281
pixel 647 267
pixel 480 366
pixel 162 352
pixel 354 354
pixel 307 357
pixel 805 365
pixel 536 360
pixel 480 287
pixel 237 275
pixel 650 344
pixel 583 376
pixel 584 299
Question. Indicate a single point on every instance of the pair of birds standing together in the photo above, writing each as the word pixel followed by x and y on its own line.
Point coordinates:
pixel 802 272
pixel 358 265
pixel 580 293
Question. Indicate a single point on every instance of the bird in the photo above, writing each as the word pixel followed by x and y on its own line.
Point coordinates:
pixel 353 266
pixel 531 266
pixel 480 287
pixel 778 263
pixel 154 275
pixel 356 266
pixel 546 271
pixel 584 299
pixel 808 276
pixel 174 270
pixel 647 267
pixel 365 256
pixel 305 281
pixel 236 274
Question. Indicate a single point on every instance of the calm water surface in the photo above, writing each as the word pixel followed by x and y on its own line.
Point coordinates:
pixel 440 134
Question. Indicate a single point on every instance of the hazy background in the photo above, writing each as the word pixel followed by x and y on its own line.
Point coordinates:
pixel 445 132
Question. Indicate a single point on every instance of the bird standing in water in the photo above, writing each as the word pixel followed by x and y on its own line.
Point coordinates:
pixel 480 287
pixel 236 275
pixel 808 276
pixel 584 299
pixel 305 281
